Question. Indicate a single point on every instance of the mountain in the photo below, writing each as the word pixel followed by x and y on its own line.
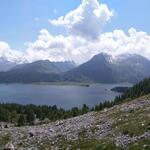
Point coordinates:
pixel 104 68
pixel 131 67
pixel 65 66
pixel 39 71
pixel 44 66
pixel 6 65
pixel 97 69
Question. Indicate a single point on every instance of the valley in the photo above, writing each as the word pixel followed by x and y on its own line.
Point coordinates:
pixel 74 75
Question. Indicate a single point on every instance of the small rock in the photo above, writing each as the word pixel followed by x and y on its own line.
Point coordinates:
pixel 9 146
pixel 31 134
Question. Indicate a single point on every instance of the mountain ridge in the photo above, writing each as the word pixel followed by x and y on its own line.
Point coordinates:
pixel 6 65
pixel 101 68
pixel 105 69
pixel 44 66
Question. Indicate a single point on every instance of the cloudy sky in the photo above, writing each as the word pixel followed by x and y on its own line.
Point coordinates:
pixel 73 29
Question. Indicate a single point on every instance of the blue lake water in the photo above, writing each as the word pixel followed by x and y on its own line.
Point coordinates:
pixel 65 96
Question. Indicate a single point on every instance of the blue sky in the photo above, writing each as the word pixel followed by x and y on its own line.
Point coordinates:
pixel 20 24
pixel 75 30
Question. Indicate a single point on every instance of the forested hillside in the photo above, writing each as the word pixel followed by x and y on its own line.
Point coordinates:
pixel 140 89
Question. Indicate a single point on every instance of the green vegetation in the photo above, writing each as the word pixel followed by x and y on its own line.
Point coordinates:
pixel 27 114
pixel 140 145
pixel 132 122
pixel 83 144
pixel 21 120
pixel 120 89
pixel 4 139
pixel 140 89
pixel 92 144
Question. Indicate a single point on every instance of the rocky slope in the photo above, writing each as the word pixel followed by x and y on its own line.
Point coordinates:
pixel 124 126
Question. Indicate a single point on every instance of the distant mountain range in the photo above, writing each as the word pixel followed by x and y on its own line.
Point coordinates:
pixel 6 65
pixel 38 71
pixel 44 66
pixel 102 68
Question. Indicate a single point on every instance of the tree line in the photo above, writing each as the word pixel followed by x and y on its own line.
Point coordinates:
pixel 27 114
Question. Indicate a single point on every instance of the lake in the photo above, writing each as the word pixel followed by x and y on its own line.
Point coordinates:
pixel 65 96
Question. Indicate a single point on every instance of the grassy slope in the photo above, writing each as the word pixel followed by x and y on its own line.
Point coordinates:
pixel 130 118
pixel 132 122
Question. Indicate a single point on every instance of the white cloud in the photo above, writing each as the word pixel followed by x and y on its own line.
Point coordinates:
pixel 87 20
pixel 55 48
pixel 7 53
pixel 61 48
pixel 117 42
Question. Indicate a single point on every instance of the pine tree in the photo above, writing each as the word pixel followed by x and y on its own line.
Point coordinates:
pixel 30 116
pixel 21 120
